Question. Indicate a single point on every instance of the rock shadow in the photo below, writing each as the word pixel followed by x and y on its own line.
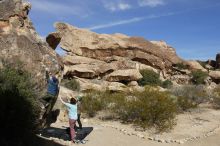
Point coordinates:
pixel 63 133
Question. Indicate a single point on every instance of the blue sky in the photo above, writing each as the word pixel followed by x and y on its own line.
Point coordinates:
pixel 190 26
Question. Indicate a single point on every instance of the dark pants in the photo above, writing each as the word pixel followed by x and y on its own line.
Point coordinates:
pixel 47 99
pixel 78 121
pixel 72 124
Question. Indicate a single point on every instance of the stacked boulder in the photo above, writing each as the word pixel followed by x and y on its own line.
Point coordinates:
pixel 100 60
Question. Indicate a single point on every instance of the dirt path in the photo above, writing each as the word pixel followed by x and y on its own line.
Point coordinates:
pixel 111 137
pixel 200 127
pixel 107 136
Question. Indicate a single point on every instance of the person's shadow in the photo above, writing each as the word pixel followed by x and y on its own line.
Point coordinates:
pixel 64 133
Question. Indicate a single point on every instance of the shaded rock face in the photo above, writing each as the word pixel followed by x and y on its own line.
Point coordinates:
pixel 20 43
pixel 218 60
pixel 109 58
pixel 215 75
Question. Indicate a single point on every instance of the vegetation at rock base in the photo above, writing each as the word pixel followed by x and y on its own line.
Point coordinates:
pixel 153 79
pixel 149 78
pixel 71 84
pixel 198 77
pixel 216 97
pixel 167 84
pixel 181 66
pixel 147 109
pixel 18 107
pixel 190 96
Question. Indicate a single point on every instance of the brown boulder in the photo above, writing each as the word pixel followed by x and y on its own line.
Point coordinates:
pixel 124 75
pixel 20 43
pixel 85 43
pixel 215 75
pixel 194 65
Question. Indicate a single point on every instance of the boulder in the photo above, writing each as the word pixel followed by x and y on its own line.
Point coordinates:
pixel 116 86
pixel 133 83
pixel 74 60
pixel 194 65
pixel 124 75
pixel 21 44
pixel 215 75
pixel 89 71
pixel 218 60
pixel 85 43
pixel 87 85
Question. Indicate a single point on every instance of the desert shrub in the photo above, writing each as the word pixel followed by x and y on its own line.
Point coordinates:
pixel 199 76
pixel 181 66
pixel 71 84
pixel 151 108
pixel 167 84
pixel 189 96
pixel 149 78
pixel 147 109
pixel 92 103
pixel 18 107
pixel 216 97
pixel 185 103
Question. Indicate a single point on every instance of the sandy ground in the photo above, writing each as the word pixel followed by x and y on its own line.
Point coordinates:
pixel 199 127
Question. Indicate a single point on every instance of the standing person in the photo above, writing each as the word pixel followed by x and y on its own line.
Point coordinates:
pixel 72 112
pixel 79 110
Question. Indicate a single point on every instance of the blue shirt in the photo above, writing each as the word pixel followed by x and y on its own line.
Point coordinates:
pixel 72 111
pixel 52 87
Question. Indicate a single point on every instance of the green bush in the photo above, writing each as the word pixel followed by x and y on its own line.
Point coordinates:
pixel 92 103
pixel 19 110
pixel 71 84
pixel 199 76
pixel 167 84
pixel 149 78
pixel 189 96
pixel 150 108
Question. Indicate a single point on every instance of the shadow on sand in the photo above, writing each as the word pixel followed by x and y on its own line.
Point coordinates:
pixel 64 133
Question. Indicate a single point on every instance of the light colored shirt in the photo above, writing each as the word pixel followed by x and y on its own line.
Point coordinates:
pixel 72 110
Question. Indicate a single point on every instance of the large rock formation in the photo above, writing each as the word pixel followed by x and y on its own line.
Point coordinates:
pixel 100 56
pixel 215 75
pixel 20 43
pixel 194 65
pixel 218 60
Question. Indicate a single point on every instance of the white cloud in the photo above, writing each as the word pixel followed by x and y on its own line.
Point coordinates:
pixel 136 19
pixel 150 3
pixel 116 6
pixel 124 6
pixel 58 8
pixel 132 20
